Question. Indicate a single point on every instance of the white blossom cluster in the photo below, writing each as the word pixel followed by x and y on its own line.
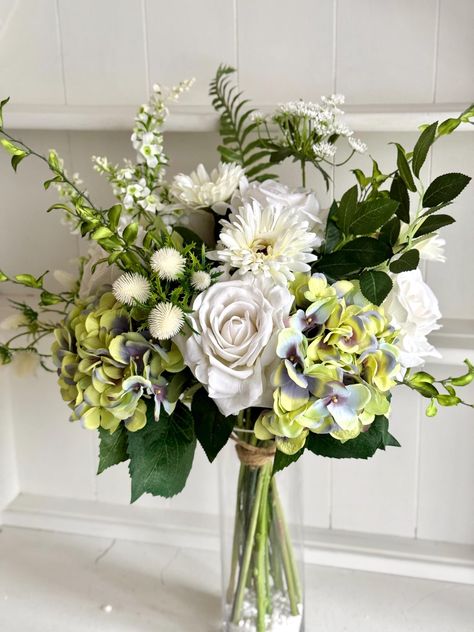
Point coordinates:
pixel 137 185
pixel 321 120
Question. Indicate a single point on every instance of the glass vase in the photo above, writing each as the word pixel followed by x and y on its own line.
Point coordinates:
pixel 261 539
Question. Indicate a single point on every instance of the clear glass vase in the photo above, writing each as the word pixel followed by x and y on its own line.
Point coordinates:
pixel 261 539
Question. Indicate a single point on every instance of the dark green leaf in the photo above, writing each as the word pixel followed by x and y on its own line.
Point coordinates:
pixel 17 159
pixel 333 236
pixel 391 231
pixel 161 454
pixel 434 223
pixel 375 286
pixel 347 209
pixel 399 192
pixel 448 126
pixel 404 168
pixel 409 260
pixel 366 251
pixel 212 428
pixel 371 215
pixel 364 446
pixel 112 448
pixel 422 147
pixel 283 460
pixel 444 189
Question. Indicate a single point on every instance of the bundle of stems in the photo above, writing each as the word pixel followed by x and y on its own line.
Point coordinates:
pixel 263 567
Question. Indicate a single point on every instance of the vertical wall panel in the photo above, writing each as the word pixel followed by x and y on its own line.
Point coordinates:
pixel 449 280
pixel 9 485
pixel 30 54
pixel 189 39
pixel 54 456
pixel 104 52
pixel 378 495
pixel 455 76
pixel 446 497
pixel 34 241
pixel 385 50
pixel 285 50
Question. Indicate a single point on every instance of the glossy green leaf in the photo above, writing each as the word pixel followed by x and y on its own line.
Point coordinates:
pixel 375 286
pixel 212 428
pixel 112 448
pixel 444 189
pixel 369 216
pixel 347 209
pixel 399 192
pixel 423 144
pixel 433 223
pixel 2 104
pixel 409 260
pixel 130 233
pixel 161 454
pixel 404 168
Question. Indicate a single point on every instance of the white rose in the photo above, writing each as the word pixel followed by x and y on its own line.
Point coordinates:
pixel 414 310
pixel 275 194
pixel 432 249
pixel 232 352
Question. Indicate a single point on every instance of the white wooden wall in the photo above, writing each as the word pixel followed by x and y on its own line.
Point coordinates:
pixel 82 66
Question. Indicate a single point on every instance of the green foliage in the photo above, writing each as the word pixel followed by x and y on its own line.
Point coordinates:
pixel 161 454
pixel 112 448
pixel 236 127
pixel 422 147
pixel 283 460
pixel 375 286
pixel 444 189
pixel 2 104
pixel 434 223
pixel 357 254
pixel 366 217
pixel 363 446
pixel 399 193
pixel 212 428
pixel 409 260
pixel 404 168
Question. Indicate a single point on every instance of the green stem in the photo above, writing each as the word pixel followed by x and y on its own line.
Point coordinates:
pixel 294 589
pixel 262 543
pixel 236 541
pixel 244 569
pixel 303 173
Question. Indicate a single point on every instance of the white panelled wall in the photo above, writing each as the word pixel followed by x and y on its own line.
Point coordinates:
pixel 74 69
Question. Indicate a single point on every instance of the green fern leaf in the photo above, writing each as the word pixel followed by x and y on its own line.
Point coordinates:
pixel 236 127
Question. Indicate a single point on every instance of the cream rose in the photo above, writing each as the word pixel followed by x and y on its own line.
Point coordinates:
pixel 414 310
pixel 232 351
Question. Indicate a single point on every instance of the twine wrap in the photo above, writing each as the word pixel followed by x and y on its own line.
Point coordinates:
pixel 253 456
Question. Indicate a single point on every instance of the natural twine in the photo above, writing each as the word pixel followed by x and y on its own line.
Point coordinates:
pixel 253 456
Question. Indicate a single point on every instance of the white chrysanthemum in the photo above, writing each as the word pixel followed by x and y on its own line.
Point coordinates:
pixel 131 287
pixel 168 263
pixel 199 189
pixel 165 321
pixel 200 280
pixel 270 241
pixel 357 144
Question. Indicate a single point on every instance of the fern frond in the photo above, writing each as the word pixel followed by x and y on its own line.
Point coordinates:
pixel 236 127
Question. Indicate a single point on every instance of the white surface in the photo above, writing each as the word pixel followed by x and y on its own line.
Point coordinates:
pixel 51 583
pixel 109 52
pixel 160 524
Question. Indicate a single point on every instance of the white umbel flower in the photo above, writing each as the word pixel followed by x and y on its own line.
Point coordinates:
pixel 200 190
pixel 357 145
pixel 131 287
pixel 168 263
pixel 268 241
pixel 200 280
pixel 165 321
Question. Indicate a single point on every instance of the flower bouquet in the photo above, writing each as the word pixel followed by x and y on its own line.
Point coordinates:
pixel 282 328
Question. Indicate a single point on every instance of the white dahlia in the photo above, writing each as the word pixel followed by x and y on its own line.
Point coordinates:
pixel 268 241
pixel 165 321
pixel 199 189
